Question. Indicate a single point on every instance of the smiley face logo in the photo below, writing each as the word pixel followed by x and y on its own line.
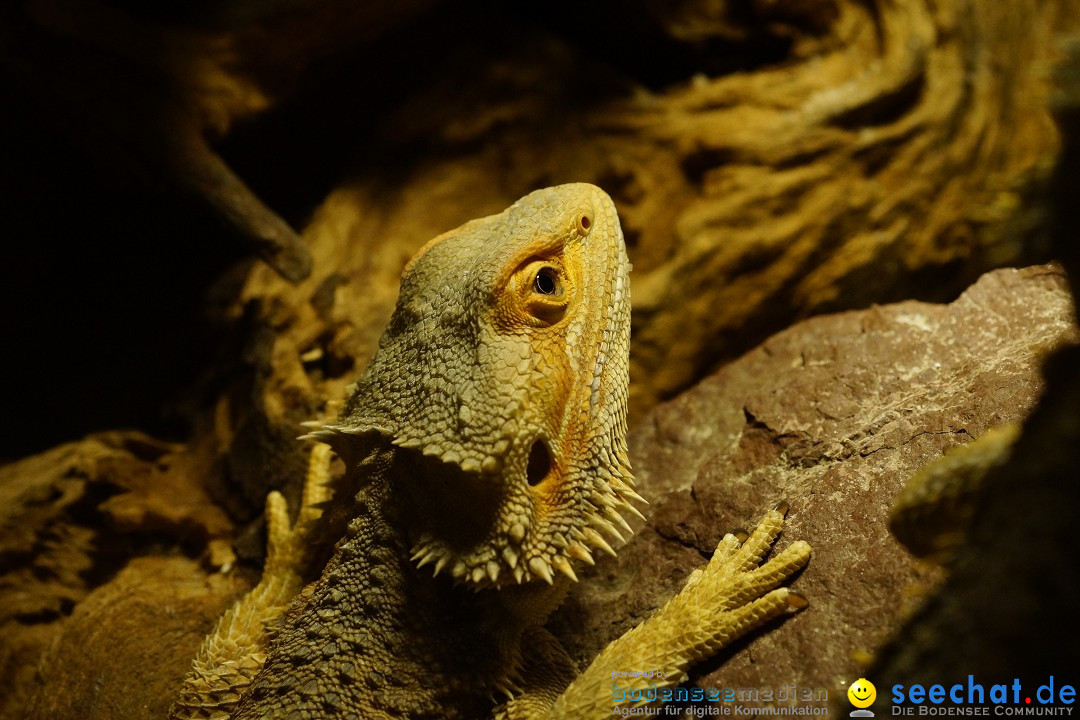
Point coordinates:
pixel 862 693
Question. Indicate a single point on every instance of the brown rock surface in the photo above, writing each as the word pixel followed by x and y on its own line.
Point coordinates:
pixel 833 414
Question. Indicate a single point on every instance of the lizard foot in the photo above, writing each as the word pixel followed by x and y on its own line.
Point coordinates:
pixel 737 589
pixel 720 602
pixel 288 544
pixel 233 653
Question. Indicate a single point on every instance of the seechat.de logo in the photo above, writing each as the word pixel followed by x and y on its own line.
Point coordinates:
pixel 862 694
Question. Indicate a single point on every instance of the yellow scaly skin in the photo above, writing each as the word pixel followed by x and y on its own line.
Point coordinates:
pixel 486 455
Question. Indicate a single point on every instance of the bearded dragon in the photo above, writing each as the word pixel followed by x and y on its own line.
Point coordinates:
pixel 486 458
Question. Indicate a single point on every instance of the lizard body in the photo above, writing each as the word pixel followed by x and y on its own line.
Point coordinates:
pixel 486 455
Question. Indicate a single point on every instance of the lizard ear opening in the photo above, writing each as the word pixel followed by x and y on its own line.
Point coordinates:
pixel 539 463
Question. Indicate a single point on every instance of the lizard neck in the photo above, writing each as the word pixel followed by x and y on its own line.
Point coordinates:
pixel 375 632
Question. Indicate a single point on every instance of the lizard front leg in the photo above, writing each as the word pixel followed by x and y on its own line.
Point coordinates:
pixel 732 595
pixel 234 652
pixel 545 672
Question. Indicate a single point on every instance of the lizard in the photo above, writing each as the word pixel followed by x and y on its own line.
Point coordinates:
pixel 486 459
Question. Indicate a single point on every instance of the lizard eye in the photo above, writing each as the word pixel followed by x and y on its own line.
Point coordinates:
pixel 547 282
pixel 543 289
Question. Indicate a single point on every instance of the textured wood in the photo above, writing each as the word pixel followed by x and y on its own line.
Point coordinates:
pixel 885 155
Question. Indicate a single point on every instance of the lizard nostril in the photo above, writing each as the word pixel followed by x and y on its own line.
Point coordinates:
pixel 539 463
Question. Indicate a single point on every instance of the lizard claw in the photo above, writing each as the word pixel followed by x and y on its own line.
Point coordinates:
pixel 796 601
pixel 287 542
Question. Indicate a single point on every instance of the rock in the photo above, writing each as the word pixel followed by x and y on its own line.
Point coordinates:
pixel 833 415
pixel 75 593
pixel 125 649
pixel 1010 609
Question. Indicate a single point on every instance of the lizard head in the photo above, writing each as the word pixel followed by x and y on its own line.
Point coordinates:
pixel 503 372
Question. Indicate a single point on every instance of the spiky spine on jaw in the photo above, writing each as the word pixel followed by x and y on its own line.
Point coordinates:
pixel 519 551
pixel 525 552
